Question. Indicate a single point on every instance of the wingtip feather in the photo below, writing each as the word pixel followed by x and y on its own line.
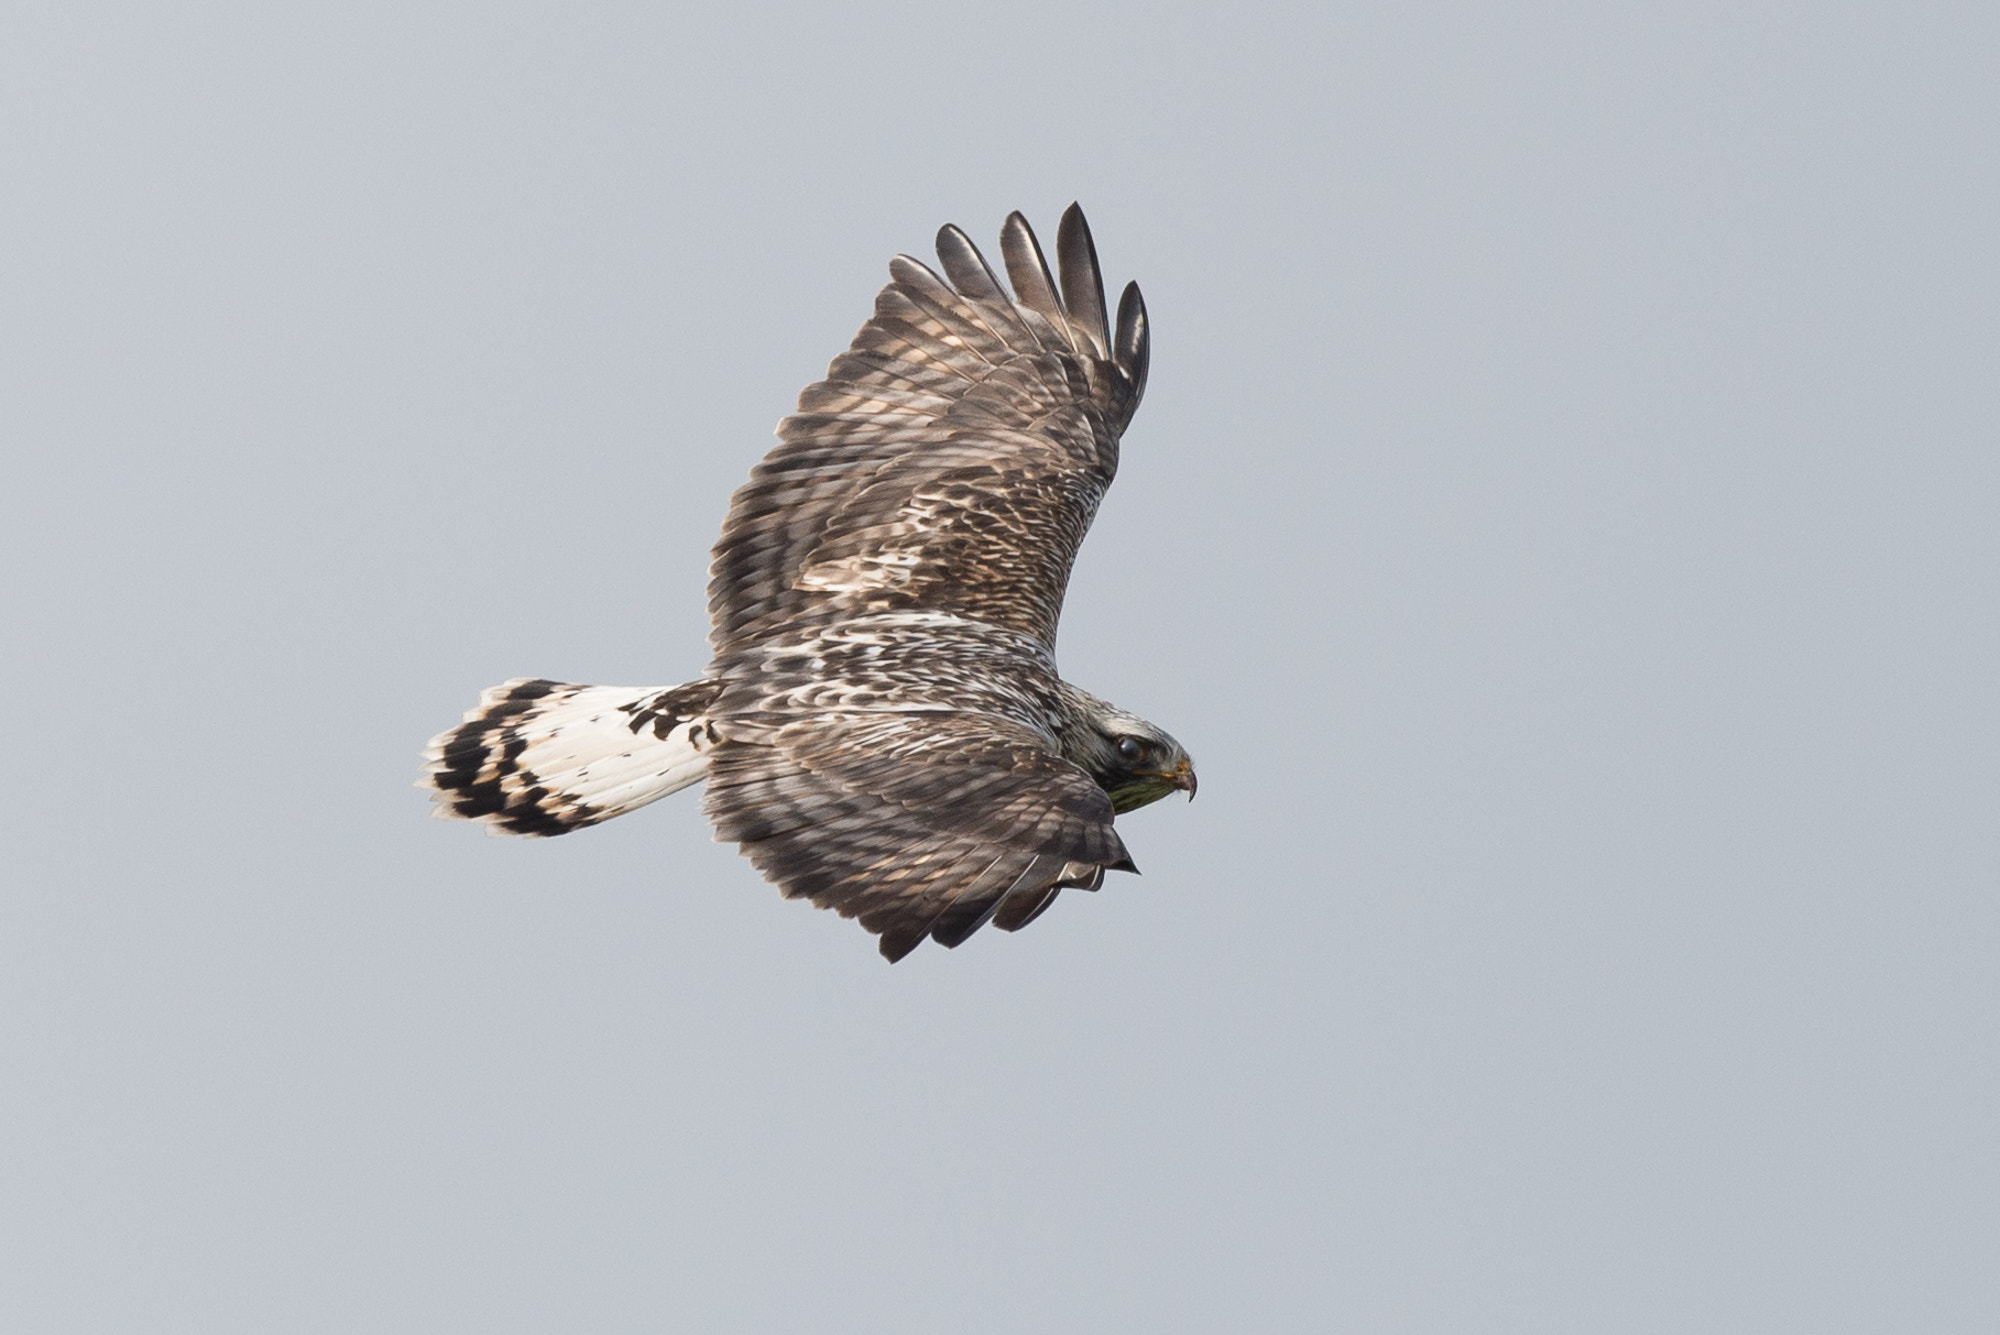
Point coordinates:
pixel 1133 349
pixel 1028 272
pixel 1082 280
pixel 967 268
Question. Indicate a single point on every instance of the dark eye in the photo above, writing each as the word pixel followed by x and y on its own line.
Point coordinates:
pixel 1129 748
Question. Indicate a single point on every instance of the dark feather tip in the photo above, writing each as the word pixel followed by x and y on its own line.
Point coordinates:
pixel 1082 281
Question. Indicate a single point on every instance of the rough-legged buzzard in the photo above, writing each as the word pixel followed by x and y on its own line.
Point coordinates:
pixel 881 727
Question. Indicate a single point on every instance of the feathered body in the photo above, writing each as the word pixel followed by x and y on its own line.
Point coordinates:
pixel 882 727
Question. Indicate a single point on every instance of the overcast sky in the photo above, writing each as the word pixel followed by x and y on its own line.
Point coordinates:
pixel 1561 525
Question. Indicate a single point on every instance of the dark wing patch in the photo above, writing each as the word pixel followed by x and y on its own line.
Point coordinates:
pixel 915 824
pixel 952 459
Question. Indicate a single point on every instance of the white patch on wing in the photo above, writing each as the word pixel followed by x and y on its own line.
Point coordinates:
pixel 876 570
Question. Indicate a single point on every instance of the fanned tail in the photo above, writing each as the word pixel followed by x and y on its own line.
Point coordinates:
pixel 540 757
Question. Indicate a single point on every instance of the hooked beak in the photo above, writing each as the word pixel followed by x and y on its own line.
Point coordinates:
pixel 1182 777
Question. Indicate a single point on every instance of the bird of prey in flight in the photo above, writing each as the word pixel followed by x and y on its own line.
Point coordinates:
pixel 882 728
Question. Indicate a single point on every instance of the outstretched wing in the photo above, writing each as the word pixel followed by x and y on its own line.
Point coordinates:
pixel 954 455
pixel 917 824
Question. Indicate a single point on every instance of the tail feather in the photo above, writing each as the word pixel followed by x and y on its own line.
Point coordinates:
pixel 540 757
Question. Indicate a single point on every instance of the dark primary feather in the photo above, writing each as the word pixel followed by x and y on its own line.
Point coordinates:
pixel 1028 271
pixel 1082 282
pixel 1135 344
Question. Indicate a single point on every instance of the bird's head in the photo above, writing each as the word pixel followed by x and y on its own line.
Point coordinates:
pixel 1131 759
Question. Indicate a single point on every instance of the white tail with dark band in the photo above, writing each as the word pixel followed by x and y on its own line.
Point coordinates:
pixel 540 757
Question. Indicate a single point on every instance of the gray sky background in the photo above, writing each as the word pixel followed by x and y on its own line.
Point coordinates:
pixel 1561 524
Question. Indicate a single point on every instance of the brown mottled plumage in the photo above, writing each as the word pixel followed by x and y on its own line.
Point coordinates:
pixel 882 727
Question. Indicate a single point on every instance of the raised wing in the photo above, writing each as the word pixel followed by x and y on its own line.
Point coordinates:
pixel 916 824
pixel 954 456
